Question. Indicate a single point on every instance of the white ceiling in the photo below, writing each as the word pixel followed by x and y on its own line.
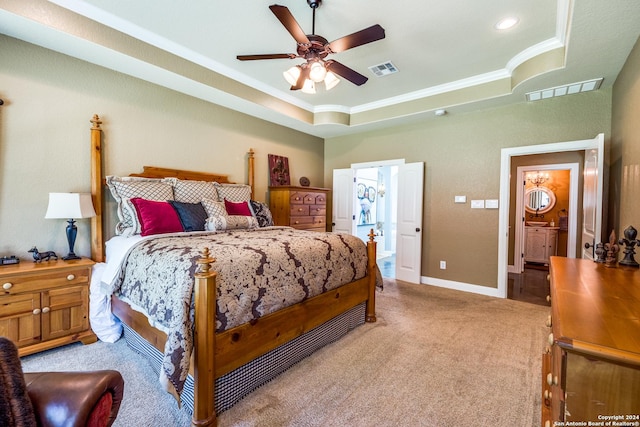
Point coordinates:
pixel 449 54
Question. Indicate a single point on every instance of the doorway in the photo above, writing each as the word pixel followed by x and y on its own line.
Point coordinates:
pixel 559 183
pixel 592 148
pixel 377 201
pixel 397 219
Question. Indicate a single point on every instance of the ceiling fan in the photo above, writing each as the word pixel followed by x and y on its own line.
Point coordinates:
pixel 314 49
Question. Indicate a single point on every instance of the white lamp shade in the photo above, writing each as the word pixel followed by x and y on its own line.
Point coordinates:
pixel 70 206
pixel 330 81
pixel 309 86
pixel 317 72
pixel 292 74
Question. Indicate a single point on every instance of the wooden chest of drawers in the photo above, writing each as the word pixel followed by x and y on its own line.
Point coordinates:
pixel 304 208
pixel 591 368
pixel 45 305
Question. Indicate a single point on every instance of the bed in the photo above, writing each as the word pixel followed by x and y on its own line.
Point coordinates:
pixel 312 288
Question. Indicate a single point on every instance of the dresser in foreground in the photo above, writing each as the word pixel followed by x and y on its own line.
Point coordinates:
pixel 591 367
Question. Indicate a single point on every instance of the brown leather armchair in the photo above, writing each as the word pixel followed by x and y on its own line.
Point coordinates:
pixel 56 399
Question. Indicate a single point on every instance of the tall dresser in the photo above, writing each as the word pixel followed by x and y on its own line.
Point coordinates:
pixel 304 208
pixel 591 367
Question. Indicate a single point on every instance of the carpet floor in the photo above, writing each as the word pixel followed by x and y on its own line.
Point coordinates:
pixel 435 357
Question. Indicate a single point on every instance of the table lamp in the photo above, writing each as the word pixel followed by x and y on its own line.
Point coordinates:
pixel 71 206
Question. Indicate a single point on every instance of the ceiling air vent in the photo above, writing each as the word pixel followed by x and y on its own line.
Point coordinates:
pixel 569 89
pixel 383 69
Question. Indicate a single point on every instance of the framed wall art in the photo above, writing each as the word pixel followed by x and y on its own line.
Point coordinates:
pixel 279 170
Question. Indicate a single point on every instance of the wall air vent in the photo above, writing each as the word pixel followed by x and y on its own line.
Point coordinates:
pixel 569 89
pixel 383 69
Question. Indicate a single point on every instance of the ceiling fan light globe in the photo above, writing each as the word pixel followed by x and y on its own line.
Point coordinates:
pixel 309 87
pixel 330 81
pixel 292 74
pixel 317 72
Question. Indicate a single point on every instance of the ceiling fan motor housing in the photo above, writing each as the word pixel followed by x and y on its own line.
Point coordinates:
pixel 314 3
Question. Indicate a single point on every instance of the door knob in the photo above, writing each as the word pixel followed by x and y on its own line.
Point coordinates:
pixel 417 229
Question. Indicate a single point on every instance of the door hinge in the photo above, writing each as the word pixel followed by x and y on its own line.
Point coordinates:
pixel 353 217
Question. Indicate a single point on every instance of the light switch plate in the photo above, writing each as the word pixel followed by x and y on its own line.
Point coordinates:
pixel 491 203
pixel 477 204
pixel 460 199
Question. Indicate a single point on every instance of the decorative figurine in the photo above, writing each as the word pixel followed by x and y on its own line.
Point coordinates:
pixel 612 250
pixel 601 253
pixel 42 256
pixel 629 241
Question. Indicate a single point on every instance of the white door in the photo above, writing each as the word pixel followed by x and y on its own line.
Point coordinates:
pixel 592 198
pixel 344 220
pixel 409 230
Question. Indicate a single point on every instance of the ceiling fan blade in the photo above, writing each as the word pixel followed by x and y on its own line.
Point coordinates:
pixel 266 56
pixel 346 72
pixel 368 35
pixel 304 75
pixel 286 18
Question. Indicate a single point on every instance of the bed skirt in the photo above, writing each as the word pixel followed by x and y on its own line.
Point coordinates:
pixel 235 385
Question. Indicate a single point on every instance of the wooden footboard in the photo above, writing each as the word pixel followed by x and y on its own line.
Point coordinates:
pixel 218 354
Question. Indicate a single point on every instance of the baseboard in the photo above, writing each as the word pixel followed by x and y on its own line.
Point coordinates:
pixel 460 286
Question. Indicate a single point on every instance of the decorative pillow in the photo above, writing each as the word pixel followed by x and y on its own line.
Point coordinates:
pixel 240 208
pixel 156 217
pixel 192 215
pixel 233 192
pixel 214 208
pixel 262 213
pixel 230 222
pixel 194 191
pixel 125 188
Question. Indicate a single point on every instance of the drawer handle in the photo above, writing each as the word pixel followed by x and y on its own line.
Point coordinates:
pixel 550 378
pixel 7 286
pixel 299 209
pixel 297 198
pixel 71 277
pixel 46 309
pixel 296 222
pixel 551 339
pixel 320 222
pixel 36 311
pixel 548 323
pixel 547 394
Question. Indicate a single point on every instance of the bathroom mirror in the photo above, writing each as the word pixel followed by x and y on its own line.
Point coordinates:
pixel 539 200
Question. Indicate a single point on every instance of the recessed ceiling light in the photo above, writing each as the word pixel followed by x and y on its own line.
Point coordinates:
pixel 507 23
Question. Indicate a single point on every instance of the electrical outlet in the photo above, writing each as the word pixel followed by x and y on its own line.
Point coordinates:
pixel 443 265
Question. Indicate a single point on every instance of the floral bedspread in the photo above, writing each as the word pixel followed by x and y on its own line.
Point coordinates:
pixel 259 271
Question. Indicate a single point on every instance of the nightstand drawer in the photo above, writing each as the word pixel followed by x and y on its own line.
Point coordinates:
pixel 51 279
pixel 318 210
pixel 303 220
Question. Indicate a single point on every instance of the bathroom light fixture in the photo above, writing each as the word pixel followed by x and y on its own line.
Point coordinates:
pixel 537 178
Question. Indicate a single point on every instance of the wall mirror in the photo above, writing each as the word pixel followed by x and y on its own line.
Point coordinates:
pixel 539 200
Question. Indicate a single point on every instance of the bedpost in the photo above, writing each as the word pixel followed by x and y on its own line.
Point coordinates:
pixel 204 411
pixel 251 178
pixel 97 239
pixel 371 272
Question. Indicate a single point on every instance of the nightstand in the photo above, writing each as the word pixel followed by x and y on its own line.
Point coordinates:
pixel 45 305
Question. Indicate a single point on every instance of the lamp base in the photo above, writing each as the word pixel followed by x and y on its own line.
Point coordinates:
pixel 71 256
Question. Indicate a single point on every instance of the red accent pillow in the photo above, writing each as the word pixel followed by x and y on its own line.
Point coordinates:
pixel 156 217
pixel 241 208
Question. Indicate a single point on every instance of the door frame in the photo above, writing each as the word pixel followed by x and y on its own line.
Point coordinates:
pixel 505 181
pixel 518 247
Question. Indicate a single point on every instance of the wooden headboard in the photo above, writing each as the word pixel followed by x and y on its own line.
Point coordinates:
pixel 98 184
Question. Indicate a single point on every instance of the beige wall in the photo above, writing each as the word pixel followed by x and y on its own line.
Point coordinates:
pixel 44 139
pixel 624 204
pixel 462 157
